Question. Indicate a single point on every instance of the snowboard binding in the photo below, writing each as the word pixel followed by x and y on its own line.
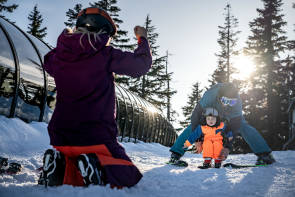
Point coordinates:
pixel 9 168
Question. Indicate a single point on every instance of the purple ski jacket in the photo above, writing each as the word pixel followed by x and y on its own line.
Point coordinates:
pixel 85 109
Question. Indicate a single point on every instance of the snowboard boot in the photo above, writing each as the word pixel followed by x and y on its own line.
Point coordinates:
pixel 207 163
pixel 264 158
pixel 9 168
pixel 175 160
pixel 217 163
pixel 90 169
pixel 3 164
pixel 53 170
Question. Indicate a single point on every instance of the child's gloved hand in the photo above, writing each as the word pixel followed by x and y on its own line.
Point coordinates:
pixel 140 32
pixel 223 154
pixel 199 147
pixel 185 146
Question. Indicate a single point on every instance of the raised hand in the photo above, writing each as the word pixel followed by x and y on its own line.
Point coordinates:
pixel 140 32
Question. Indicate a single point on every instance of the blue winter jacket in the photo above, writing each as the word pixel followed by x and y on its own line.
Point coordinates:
pixel 232 115
pixel 197 134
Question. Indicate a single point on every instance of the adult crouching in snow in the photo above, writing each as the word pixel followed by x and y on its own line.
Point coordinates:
pixel 225 98
pixel 83 129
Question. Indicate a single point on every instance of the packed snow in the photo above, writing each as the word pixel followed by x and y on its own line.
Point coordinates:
pixel 25 143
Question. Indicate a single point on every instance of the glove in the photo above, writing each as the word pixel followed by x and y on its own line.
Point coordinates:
pixel 199 147
pixel 223 154
pixel 140 32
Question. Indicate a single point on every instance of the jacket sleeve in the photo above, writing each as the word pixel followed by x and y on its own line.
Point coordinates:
pixel 231 131
pixel 196 116
pixel 228 139
pixel 196 134
pixel 132 64
pixel 48 66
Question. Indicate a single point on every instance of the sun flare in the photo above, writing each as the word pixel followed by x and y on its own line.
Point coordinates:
pixel 245 66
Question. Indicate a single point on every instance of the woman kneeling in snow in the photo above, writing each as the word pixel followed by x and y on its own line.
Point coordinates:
pixel 83 129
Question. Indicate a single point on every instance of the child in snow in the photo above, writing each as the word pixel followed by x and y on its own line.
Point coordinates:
pixel 212 135
pixel 226 99
pixel 83 129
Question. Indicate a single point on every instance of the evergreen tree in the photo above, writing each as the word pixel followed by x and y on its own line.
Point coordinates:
pixel 290 68
pixel 72 15
pixel 268 95
pixel 150 86
pixel 219 75
pixel 193 99
pixel 227 41
pixel 6 8
pixel 168 92
pixel 35 26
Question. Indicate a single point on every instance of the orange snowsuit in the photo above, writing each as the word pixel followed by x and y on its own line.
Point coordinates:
pixel 213 139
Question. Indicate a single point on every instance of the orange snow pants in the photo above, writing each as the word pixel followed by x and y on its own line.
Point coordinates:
pixel 111 164
pixel 212 144
pixel 212 148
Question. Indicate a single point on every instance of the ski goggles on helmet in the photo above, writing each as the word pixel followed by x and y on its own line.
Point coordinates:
pixel 228 101
pixel 210 111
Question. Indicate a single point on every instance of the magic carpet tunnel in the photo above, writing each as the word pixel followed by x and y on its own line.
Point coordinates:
pixel 29 93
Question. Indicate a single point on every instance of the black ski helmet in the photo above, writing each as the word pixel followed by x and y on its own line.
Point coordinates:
pixel 96 19
pixel 210 111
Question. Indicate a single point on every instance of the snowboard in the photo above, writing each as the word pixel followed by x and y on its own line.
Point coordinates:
pixel 203 168
pixel 9 167
pixel 236 166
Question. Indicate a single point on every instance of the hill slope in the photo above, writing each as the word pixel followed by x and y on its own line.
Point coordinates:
pixel 25 143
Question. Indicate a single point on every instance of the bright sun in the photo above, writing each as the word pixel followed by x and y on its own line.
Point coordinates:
pixel 244 65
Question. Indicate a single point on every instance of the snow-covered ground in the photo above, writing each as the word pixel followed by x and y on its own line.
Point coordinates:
pixel 25 143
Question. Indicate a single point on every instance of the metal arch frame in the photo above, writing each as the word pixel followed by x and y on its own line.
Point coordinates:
pixel 170 133
pixel 159 129
pixel 145 126
pixel 117 111
pixel 163 140
pixel 133 117
pixel 125 121
pixel 157 126
pixel 163 131
pixel 144 134
pixel 44 74
pixel 125 126
pixel 141 100
pixel 151 124
pixel 139 104
pixel 17 71
pixel 138 132
pixel 160 134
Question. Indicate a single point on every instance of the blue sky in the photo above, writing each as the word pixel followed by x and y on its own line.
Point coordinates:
pixel 188 29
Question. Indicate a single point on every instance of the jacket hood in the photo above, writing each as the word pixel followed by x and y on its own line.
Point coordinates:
pixel 69 46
